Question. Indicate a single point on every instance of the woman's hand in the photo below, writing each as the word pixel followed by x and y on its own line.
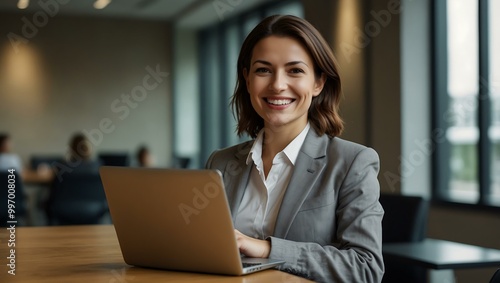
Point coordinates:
pixel 252 247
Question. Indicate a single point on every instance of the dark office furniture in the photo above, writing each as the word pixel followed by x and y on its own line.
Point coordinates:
pixel 441 254
pixel 114 159
pixel 496 277
pixel 78 198
pixel 181 161
pixel 405 220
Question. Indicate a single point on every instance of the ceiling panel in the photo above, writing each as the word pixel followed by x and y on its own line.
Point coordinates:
pixel 134 9
pixel 185 13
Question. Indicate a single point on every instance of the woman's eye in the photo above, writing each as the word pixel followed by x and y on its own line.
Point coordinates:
pixel 262 70
pixel 296 71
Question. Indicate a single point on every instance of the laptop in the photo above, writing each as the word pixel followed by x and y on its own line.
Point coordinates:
pixel 175 219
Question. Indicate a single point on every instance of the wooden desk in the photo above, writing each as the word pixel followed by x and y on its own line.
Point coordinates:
pixel 91 254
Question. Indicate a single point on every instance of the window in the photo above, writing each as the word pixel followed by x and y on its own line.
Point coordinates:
pixel 466 102
pixel 219 47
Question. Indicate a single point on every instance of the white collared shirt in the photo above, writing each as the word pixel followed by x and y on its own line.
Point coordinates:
pixel 262 199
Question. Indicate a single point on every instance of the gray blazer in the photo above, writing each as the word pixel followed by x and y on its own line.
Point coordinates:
pixel 329 225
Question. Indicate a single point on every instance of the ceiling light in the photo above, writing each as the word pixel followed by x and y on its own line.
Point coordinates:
pixel 23 4
pixel 101 4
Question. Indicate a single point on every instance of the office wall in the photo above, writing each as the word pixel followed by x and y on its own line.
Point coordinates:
pixel 341 31
pixel 106 77
pixel 382 32
pixel 367 49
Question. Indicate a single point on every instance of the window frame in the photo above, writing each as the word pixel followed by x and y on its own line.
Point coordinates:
pixel 440 100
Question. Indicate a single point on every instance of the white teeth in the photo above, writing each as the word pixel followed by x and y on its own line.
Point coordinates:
pixel 279 101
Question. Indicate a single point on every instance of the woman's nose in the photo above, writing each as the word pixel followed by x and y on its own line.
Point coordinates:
pixel 278 82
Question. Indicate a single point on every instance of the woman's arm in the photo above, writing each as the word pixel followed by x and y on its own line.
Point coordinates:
pixel 356 255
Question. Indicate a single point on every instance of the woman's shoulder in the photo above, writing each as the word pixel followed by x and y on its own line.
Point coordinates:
pixel 346 144
pixel 342 147
pixel 235 152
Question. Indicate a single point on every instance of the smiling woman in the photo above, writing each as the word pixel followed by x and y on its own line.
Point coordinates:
pixel 297 192
pixel 291 48
pixel 282 83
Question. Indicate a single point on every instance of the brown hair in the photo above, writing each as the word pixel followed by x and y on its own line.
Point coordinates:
pixel 80 147
pixel 4 137
pixel 323 113
pixel 141 155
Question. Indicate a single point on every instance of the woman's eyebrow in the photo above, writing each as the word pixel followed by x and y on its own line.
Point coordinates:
pixel 296 63
pixel 287 64
pixel 262 62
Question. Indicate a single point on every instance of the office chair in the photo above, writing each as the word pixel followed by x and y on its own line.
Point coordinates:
pixel 405 220
pixel 181 161
pixel 114 159
pixel 77 199
pixel 18 198
pixel 496 277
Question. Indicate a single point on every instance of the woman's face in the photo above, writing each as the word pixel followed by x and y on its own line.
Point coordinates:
pixel 281 82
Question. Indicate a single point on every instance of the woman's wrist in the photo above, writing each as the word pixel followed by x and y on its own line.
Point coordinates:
pixel 267 248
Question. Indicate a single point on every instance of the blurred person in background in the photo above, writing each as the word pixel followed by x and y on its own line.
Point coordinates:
pixel 79 157
pixel 8 160
pixel 144 157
